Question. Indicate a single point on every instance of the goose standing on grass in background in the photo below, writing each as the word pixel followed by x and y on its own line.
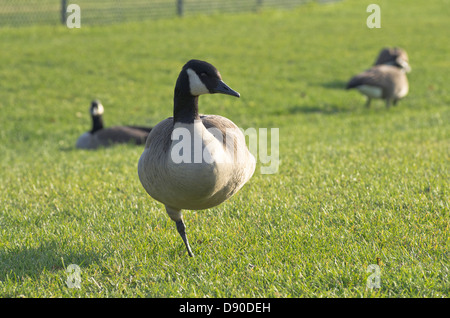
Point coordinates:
pixel 103 137
pixel 386 79
pixel 199 170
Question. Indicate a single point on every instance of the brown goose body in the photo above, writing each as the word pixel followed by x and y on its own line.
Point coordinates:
pixel 197 183
pixel 111 136
pixel 381 81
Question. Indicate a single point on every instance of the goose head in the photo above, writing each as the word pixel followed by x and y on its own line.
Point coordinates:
pixel 196 78
pixel 96 111
pixel 394 56
pixel 96 108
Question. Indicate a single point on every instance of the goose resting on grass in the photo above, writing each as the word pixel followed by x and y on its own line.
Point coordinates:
pixel 104 137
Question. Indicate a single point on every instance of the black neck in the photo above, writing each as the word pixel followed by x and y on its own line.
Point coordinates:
pixel 185 106
pixel 97 123
pixel 185 109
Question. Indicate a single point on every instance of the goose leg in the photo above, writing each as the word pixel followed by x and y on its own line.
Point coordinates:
pixel 182 230
pixel 176 216
pixel 368 102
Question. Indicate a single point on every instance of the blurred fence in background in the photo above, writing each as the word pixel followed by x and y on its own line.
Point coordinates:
pixel 29 12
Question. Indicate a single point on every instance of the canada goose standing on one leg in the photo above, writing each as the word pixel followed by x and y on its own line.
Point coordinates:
pixel 386 80
pixel 99 136
pixel 199 172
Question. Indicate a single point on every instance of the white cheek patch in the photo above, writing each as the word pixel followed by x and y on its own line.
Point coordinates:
pixel 404 65
pixel 195 84
pixel 371 91
pixel 97 111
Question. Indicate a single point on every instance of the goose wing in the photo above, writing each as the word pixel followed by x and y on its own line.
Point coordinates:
pixel 121 134
pixel 381 76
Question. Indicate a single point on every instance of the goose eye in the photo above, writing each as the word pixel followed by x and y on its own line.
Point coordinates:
pixel 203 74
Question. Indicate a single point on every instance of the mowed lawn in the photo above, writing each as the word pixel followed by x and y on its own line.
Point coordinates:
pixel 354 186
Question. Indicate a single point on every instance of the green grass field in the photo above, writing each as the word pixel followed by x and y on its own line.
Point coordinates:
pixel 353 185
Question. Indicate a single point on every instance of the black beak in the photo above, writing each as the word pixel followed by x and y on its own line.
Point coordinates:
pixel 223 88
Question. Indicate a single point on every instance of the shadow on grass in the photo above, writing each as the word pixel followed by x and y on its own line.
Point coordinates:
pixel 68 149
pixel 336 84
pixel 19 263
pixel 324 108
pixel 321 109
